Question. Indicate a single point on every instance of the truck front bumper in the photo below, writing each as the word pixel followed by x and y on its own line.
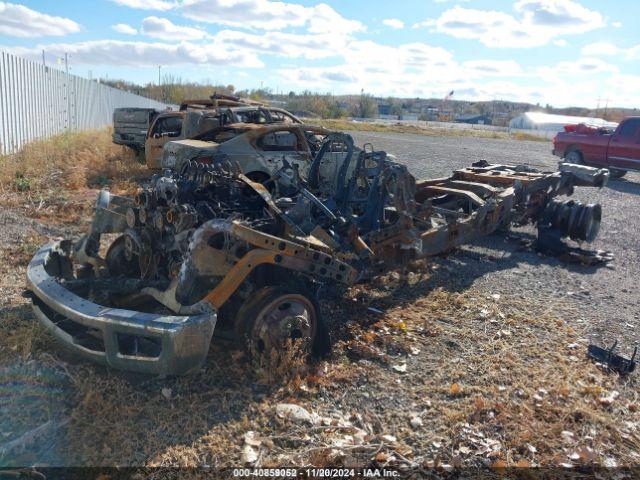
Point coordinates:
pixel 125 339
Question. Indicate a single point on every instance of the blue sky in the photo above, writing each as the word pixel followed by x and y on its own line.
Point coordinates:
pixel 561 52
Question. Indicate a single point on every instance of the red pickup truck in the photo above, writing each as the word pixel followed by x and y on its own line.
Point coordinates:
pixel 617 150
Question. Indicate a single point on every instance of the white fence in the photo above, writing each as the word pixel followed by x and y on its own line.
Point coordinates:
pixel 38 101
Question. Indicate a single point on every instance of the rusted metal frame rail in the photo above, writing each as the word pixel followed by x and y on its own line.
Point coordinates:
pixel 273 250
pixel 488 217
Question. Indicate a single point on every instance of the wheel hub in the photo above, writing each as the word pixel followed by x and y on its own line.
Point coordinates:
pixel 289 317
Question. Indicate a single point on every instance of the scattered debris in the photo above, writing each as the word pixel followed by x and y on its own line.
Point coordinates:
pixel 613 361
pixel 402 368
pixel 250 452
pixel 295 413
pixel 416 422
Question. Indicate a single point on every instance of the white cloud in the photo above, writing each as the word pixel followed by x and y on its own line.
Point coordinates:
pixel 414 69
pixel 160 5
pixel 324 19
pixel 499 68
pixel 268 15
pixel 564 14
pixel 164 29
pixel 393 23
pixel 536 23
pixel 20 21
pixel 600 49
pixel 124 29
pixel 426 23
pixel 291 45
pixel 617 24
pixel 142 54
pixel 606 49
pixel 578 68
pixel 560 42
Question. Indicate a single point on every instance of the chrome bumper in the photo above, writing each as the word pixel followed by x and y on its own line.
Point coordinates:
pixel 124 339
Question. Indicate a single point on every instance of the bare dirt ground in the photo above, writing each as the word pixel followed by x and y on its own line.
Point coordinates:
pixel 473 361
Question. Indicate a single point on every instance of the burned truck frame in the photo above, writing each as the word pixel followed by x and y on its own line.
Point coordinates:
pixel 207 246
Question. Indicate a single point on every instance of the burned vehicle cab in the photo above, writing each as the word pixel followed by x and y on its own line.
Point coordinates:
pixel 193 117
pixel 180 125
pixel 204 247
pixel 165 128
pixel 259 116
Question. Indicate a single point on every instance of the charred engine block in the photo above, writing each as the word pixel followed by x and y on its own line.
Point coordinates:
pixel 166 212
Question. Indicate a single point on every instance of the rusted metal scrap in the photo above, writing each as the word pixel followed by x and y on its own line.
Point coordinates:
pixel 207 248
pixel 611 360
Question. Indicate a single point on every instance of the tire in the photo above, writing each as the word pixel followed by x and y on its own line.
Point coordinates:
pixel 617 173
pixel 575 157
pixel 276 314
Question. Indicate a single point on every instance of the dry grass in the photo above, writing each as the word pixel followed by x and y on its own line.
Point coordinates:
pixel 507 370
pixel 496 382
pixel 50 178
pixel 23 251
pixel 427 131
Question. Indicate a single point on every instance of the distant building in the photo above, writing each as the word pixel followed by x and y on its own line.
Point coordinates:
pixel 384 109
pixel 474 118
pixel 432 113
pixel 410 117
pixel 553 123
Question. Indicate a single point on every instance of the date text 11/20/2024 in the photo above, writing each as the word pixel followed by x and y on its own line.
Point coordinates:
pixel 315 472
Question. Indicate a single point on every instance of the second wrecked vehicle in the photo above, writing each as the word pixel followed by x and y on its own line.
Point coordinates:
pixel 207 248
pixel 147 131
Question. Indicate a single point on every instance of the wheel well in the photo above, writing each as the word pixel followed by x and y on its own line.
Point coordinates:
pixel 258 176
pixel 573 148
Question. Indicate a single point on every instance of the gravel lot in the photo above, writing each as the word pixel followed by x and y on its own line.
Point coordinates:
pixel 606 297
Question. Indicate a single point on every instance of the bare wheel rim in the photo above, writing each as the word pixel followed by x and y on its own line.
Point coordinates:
pixel 287 317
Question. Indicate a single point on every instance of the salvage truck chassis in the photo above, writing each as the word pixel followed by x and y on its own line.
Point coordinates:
pixel 208 248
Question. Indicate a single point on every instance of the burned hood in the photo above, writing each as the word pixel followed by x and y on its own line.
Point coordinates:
pixel 176 153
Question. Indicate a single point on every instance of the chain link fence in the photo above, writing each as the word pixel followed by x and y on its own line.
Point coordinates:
pixel 38 101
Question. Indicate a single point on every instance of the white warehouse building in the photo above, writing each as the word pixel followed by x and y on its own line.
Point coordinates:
pixel 548 122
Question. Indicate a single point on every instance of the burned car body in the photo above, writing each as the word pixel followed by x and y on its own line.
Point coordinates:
pixel 194 123
pixel 207 246
pixel 259 150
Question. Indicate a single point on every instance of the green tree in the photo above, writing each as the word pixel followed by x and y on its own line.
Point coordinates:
pixel 367 107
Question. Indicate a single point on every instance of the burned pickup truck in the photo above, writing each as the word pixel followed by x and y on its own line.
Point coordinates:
pixel 208 248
